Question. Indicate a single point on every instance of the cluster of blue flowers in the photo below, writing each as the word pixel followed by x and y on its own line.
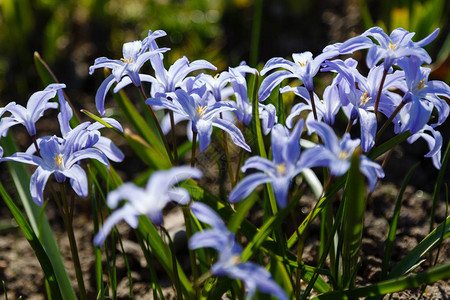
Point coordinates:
pixel 398 88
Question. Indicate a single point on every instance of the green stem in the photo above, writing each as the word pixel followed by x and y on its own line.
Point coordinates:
pixel 388 121
pixel 36 145
pixel 313 104
pixel 194 144
pixel 174 137
pixel 192 259
pixel 227 156
pixel 377 101
pixel 72 242
pixel 155 119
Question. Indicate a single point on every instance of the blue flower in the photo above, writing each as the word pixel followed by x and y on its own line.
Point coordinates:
pixel 391 48
pixel 434 140
pixel 167 81
pixel 217 85
pixel 304 68
pixel 326 109
pixel 420 96
pixel 89 136
pixel 336 155
pixel 229 261
pixel 202 116
pixel 59 156
pixel 358 94
pixel 126 70
pixel 28 116
pixel 285 165
pixel 149 201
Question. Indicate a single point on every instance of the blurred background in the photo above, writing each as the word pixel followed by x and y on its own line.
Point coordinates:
pixel 70 34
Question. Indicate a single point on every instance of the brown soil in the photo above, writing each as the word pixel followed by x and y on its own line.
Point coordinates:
pixel 20 270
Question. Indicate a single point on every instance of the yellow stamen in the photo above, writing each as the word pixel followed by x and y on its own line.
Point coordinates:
pixel 201 110
pixel 303 62
pixel 363 100
pixel 236 259
pixel 128 60
pixel 58 159
pixel 343 154
pixel 421 84
pixel 216 76
pixel 392 46
pixel 281 169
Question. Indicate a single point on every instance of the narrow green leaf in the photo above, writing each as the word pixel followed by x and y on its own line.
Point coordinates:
pixel 21 179
pixel 101 121
pixel 438 184
pixel 393 226
pixel 163 253
pixel 314 213
pixel 146 152
pixel 138 122
pixel 376 152
pixel 38 250
pixel 352 220
pixel 244 207
pixel 280 108
pixel 257 122
pixel 426 245
pixel 265 230
pixel 391 286
pixel 45 73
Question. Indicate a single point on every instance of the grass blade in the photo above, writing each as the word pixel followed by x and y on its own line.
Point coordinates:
pixel 39 251
pixel 426 245
pixel 21 179
pixel 391 286
pixel 352 221
pixel 437 186
pixel 393 226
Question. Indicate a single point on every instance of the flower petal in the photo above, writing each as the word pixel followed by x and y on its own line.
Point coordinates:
pixel 245 187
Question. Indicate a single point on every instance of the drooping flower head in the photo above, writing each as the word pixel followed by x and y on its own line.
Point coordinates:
pixel 148 201
pixel 229 261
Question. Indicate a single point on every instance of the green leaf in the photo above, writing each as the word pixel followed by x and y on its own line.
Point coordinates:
pixel 426 245
pixel 163 254
pixel 391 286
pixel 393 226
pixel 352 221
pixel 21 179
pixel 265 230
pixel 101 121
pixel 438 184
pixel 146 152
pixel 44 71
pixel 138 122
pixel 38 250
